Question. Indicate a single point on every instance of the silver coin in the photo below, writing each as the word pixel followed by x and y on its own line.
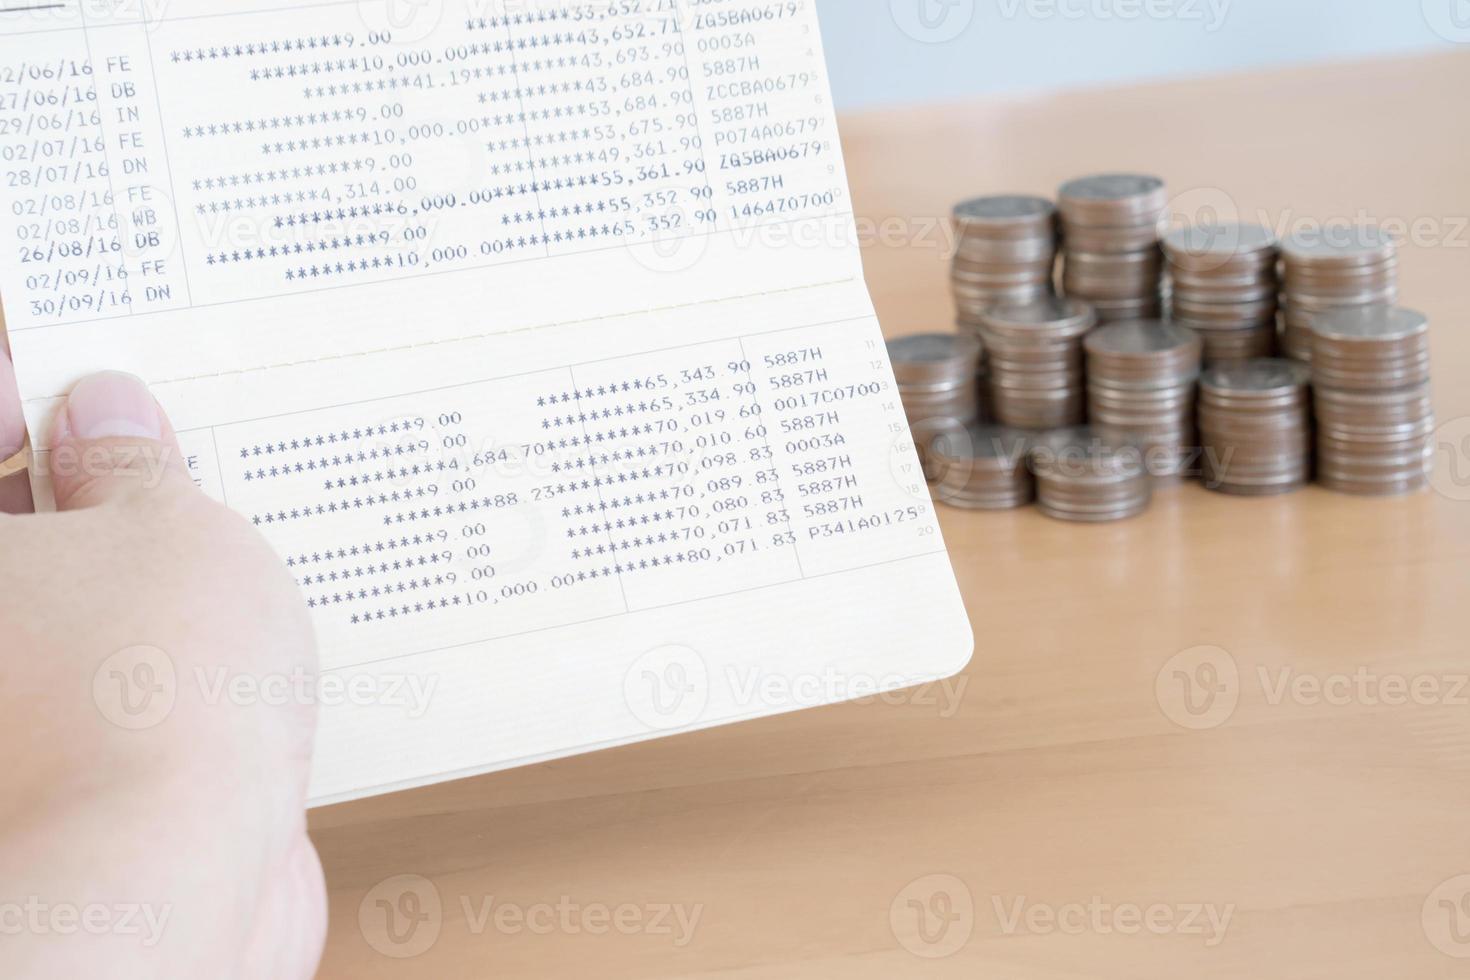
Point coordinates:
pixel 1370 325
pixel 1111 187
pixel 1146 339
pixel 1004 447
pixel 1004 209
pixel 1209 247
pixel 1264 376
pixel 1007 251
pixel 1340 245
pixel 1083 240
pixel 1117 263
pixel 1242 285
pixel 1051 315
pixel 1332 278
pixel 932 348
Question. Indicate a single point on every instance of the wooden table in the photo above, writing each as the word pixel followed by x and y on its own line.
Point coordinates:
pixel 1055 775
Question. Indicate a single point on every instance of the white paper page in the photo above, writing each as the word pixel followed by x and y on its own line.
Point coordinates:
pixel 532 334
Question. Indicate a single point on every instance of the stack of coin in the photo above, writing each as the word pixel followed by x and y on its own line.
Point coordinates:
pixel 1255 420
pixel 1334 267
pixel 1225 287
pixel 1110 229
pixel 1375 416
pixel 1081 477
pixel 982 468
pixel 938 377
pixel 1142 377
pixel 1037 373
pixel 1005 252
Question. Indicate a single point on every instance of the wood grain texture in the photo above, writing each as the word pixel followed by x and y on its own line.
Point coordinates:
pixel 1050 773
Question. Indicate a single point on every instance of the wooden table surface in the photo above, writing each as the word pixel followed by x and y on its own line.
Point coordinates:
pixel 1327 818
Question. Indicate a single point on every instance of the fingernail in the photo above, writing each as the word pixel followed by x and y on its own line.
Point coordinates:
pixel 112 405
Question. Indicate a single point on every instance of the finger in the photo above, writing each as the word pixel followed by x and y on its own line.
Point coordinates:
pixel 12 423
pixel 113 444
pixel 15 487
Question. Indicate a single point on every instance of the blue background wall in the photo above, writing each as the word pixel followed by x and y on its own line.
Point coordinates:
pixel 886 52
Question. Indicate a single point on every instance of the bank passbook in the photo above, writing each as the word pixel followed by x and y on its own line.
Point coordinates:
pixel 533 335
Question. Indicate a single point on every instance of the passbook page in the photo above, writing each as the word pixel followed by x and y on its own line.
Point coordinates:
pixel 532 335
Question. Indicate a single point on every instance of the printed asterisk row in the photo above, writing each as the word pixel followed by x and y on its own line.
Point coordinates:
pixel 311 465
pixel 532 42
pixel 558 237
pixel 543 16
pixel 643 564
pixel 313 68
pixel 258 47
pixel 543 186
pixel 631 476
pixel 343 268
pixel 522 93
pixel 635 500
pixel 562 136
pixel 600 391
pixel 369 548
pixel 605 435
pixel 275 122
pixel 576 210
pixel 407 610
pixel 341 214
pixel 316 143
pixel 286 173
pixel 334 507
pixel 376 592
pixel 323 439
pixel 407 472
pixel 447 510
pixel 614 411
pixel 334 576
pixel 623 523
pixel 628 544
pixel 358 88
pixel 299 248
pixel 605 459
pixel 265 200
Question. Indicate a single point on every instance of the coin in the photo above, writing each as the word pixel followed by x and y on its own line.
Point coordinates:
pixel 1052 317
pixel 1259 379
pixel 1224 284
pixel 1152 341
pixel 1132 308
pixel 996 214
pixel 982 468
pixel 1255 426
pixel 940 382
pixel 1334 267
pixel 1225 342
pixel 1081 477
pixel 1338 246
pixel 1375 411
pixel 1211 248
pixel 1080 239
pixel 922 357
pixel 1036 373
pixel 1110 233
pixel 1142 382
pixel 1376 326
pixel 1005 251
pixel 1113 200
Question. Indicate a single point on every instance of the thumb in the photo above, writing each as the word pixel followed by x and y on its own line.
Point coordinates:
pixel 112 443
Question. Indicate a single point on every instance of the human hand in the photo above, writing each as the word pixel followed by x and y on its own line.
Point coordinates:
pixel 153 825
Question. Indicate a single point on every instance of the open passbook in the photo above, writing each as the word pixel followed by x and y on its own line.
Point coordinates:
pixel 532 334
